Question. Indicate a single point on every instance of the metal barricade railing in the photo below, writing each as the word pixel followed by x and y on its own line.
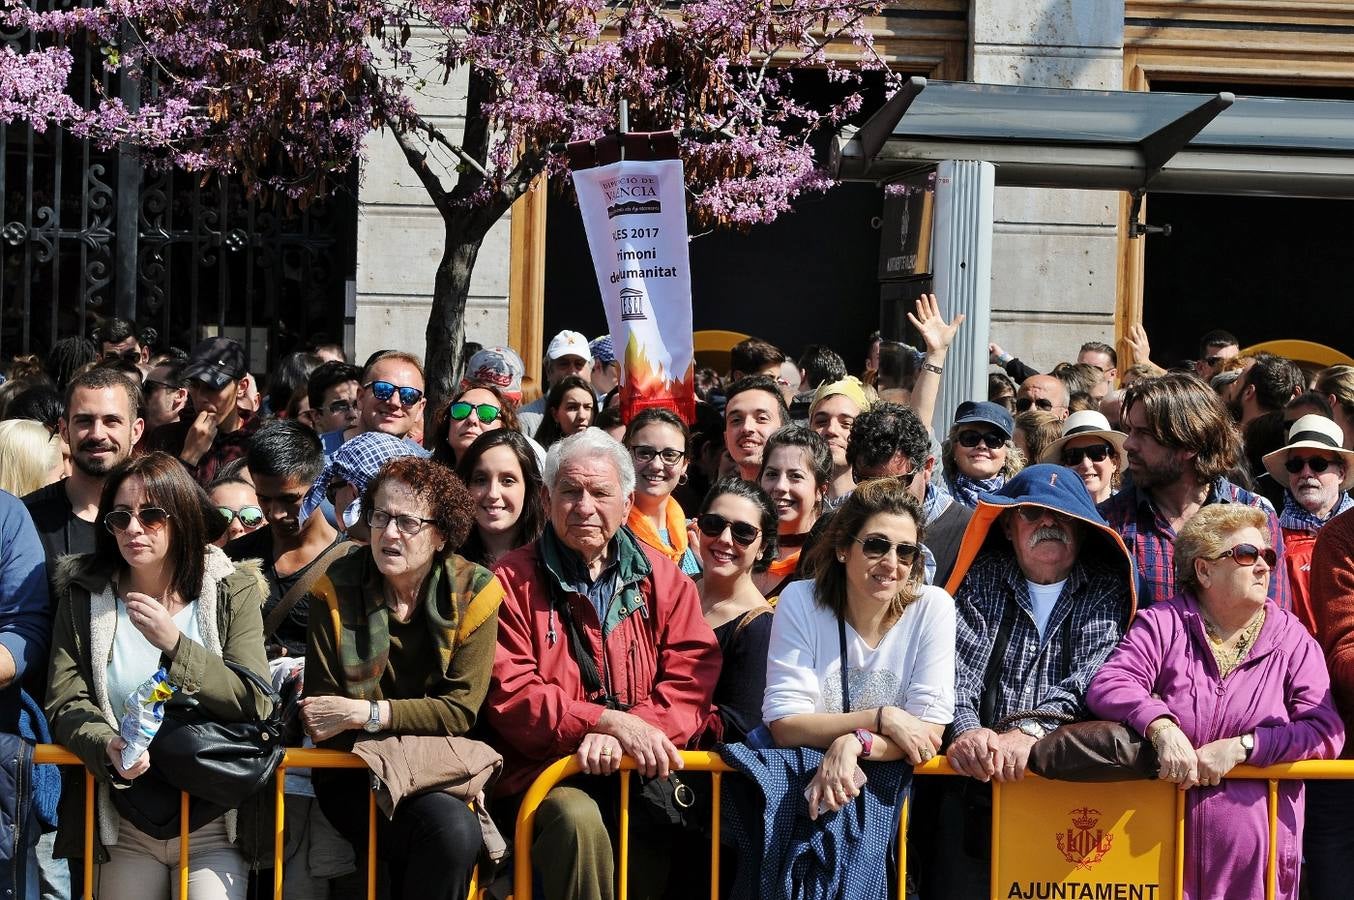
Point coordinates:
pixel 294 758
pixel 702 761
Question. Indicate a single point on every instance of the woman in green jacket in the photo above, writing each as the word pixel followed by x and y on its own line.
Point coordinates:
pixel 153 594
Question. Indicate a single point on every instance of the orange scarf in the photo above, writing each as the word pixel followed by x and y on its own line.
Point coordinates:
pixel 783 568
pixel 675 547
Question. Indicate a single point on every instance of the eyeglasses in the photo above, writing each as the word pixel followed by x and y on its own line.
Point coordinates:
pixel 712 525
pixel 408 526
pixel 337 407
pixel 487 413
pixel 1024 404
pixel 645 454
pixel 1072 456
pixel 1317 464
pixel 1247 554
pixel 151 384
pixel 249 516
pixel 384 390
pixel 878 548
pixel 152 518
pixel 1033 514
pixel 993 439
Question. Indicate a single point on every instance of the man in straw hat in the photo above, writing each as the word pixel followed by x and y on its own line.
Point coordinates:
pixel 1316 469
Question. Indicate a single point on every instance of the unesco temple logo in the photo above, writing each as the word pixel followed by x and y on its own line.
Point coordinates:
pixel 1083 844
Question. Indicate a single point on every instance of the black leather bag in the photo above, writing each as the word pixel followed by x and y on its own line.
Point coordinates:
pixel 1093 751
pixel 222 763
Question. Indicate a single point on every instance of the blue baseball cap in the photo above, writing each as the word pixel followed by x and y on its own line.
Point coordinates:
pixel 972 411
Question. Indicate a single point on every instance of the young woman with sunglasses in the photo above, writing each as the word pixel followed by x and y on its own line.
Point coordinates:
pixel 569 408
pixel 861 658
pixel 658 440
pixel 796 472
pixel 737 528
pixel 153 594
pixel 1218 676
pixel 473 410
pixel 1092 449
pixel 237 503
pixel 979 455
pixel 505 484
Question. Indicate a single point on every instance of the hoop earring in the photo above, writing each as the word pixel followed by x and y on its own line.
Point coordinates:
pixel 681 479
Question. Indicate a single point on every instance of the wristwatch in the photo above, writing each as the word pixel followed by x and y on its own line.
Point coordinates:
pixel 1248 744
pixel 374 720
pixel 1033 729
pixel 866 741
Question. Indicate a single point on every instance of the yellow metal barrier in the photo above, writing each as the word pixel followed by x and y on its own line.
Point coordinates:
pixel 294 758
pixel 701 761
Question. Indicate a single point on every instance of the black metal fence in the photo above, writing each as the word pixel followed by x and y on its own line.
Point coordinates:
pixel 87 234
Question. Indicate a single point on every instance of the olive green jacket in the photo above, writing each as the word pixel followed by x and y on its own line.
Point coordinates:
pixel 83 716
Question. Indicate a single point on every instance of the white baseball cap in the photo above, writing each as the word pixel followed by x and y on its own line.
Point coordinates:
pixel 568 343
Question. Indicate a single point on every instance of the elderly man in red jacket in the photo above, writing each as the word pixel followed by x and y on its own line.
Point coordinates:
pixel 602 651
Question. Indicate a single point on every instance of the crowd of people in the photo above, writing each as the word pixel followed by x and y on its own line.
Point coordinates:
pixel 812 575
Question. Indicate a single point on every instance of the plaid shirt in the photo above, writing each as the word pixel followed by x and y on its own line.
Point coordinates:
pixel 1151 539
pixel 1049 674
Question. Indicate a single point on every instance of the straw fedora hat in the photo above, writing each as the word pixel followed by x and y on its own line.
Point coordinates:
pixel 1087 423
pixel 1317 433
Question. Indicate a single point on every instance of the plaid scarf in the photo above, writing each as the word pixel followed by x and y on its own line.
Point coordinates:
pixel 1296 518
pixel 966 489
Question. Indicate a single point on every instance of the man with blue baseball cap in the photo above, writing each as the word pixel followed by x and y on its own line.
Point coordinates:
pixel 346 476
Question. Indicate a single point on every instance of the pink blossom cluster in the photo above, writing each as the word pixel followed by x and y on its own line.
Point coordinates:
pixel 283 93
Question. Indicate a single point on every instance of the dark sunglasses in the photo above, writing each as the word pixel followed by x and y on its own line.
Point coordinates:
pixel 878 548
pixel 487 413
pixel 1317 464
pixel 1032 514
pixel 1213 361
pixel 1247 554
pixel 1072 456
pixel 249 516
pixel 1024 404
pixel 993 439
pixel 384 390
pixel 331 490
pixel 712 525
pixel 152 518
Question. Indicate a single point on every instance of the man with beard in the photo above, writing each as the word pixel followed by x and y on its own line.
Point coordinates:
pixel 285 458
pixel 101 425
pixel 1043 590
pixel 755 410
pixel 1180 445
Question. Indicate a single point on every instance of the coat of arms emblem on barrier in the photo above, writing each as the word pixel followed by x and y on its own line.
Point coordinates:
pixel 1083 844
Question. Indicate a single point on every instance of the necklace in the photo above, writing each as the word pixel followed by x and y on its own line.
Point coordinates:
pixel 1228 658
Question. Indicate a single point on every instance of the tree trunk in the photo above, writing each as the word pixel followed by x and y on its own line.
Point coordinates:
pixel 446 320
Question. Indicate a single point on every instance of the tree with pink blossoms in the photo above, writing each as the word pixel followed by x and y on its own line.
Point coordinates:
pixel 283 93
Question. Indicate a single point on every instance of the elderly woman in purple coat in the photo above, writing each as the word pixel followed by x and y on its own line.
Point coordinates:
pixel 1217 676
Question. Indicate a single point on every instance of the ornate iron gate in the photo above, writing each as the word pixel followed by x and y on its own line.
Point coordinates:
pixel 87 234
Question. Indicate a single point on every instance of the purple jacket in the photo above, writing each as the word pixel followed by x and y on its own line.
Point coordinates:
pixel 1281 692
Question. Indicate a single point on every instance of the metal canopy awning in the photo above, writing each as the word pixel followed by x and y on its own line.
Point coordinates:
pixel 1109 140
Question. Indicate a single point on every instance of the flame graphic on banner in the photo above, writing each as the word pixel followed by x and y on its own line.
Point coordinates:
pixel 646 384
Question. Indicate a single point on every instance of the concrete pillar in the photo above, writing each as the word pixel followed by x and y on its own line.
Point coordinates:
pixel 1053 252
pixel 962 267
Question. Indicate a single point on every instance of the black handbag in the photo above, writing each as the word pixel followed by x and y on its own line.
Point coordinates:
pixel 222 763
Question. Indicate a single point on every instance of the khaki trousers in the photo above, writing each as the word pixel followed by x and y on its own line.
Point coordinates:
pixel 143 868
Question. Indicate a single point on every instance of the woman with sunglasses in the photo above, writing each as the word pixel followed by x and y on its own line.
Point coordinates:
pixel 402 638
pixel 1218 676
pixel 152 595
pixel 1092 449
pixel 861 658
pixel 979 456
pixel 658 441
pixel 505 485
pixel 473 410
pixel 737 526
pixel 237 503
pixel 796 471
pixel 569 408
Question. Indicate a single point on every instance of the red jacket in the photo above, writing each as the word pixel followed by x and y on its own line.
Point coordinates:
pixel 1297 558
pixel 661 658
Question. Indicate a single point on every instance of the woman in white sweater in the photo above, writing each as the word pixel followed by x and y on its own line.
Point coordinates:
pixel 867 611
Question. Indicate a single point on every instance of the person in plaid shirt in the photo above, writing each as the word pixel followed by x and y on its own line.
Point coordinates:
pixel 1044 590
pixel 1181 444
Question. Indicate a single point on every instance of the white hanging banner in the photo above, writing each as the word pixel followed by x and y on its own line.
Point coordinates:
pixel 634 213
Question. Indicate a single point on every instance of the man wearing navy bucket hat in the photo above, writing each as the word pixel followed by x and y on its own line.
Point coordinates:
pixel 1044 589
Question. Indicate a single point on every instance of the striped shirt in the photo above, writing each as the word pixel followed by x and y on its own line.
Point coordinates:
pixel 1151 539
pixel 1049 674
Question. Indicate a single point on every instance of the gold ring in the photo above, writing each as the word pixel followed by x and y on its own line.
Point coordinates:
pixel 606 751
